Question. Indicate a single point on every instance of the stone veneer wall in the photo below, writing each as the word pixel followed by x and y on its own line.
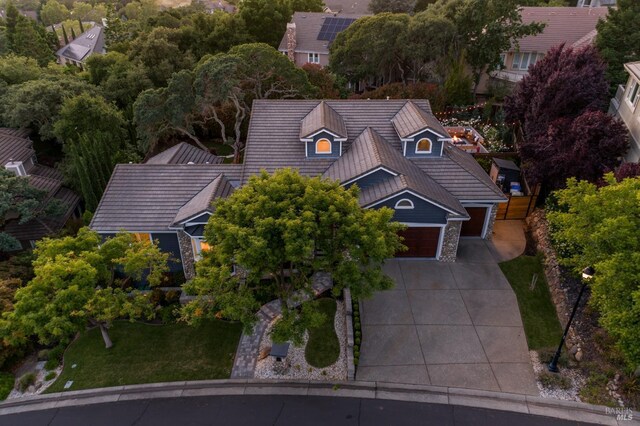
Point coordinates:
pixel 186 249
pixel 492 221
pixel 450 242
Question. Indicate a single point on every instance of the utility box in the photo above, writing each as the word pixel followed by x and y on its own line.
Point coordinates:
pixel 503 173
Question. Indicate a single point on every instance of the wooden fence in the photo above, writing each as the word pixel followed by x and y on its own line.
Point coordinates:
pixel 519 206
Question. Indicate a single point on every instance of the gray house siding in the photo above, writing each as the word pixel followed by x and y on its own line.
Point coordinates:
pixel 423 211
pixel 168 243
pixel 335 146
pixel 436 145
pixel 372 179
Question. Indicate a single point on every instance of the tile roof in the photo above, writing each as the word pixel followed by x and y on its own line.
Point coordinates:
pixel 14 148
pixel 19 133
pixel 370 151
pixel 563 25
pixel 322 117
pixel 308 25
pixel 220 187
pixel 147 197
pixel 411 120
pixel 90 41
pixel 273 143
pixel 633 68
pixel 184 153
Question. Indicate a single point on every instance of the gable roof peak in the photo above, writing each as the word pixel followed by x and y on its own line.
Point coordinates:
pixel 412 119
pixel 323 117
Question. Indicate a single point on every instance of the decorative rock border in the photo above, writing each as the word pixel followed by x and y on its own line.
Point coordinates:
pixel 248 350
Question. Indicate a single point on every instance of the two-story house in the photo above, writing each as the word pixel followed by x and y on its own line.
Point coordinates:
pixel 626 106
pixel 309 35
pixel 396 151
pixel 573 26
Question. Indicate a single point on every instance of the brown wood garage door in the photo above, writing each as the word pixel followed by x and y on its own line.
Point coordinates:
pixel 422 242
pixel 474 226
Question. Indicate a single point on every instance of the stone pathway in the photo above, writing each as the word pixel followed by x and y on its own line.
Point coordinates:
pixel 249 347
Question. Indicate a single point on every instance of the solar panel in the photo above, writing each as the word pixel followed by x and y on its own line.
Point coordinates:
pixel 332 26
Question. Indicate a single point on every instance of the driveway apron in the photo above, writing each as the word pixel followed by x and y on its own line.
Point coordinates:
pixel 447 324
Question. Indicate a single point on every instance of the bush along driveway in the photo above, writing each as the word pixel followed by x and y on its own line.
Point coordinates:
pixel 144 353
pixel 447 324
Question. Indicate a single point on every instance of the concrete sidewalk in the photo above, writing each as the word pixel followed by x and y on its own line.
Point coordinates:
pixel 505 402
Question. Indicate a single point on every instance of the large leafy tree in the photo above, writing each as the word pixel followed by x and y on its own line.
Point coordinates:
pixel 393 6
pixel 305 5
pixel 600 225
pixel 54 12
pixel 586 147
pixel 564 84
pixel 225 84
pixel 485 29
pixel 75 285
pixel 87 114
pixel 618 40
pixel 556 105
pixel 266 20
pixel 214 33
pixel 37 103
pixel 287 227
pixel 23 202
pixel 18 69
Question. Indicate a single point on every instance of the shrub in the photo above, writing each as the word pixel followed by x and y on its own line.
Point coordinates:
pixel 545 355
pixel 27 380
pixel 172 297
pixel 158 297
pixel 57 352
pixel 51 364
pixel 50 375
pixel 167 314
pixel 554 380
pixel 6 384
pixel 43 355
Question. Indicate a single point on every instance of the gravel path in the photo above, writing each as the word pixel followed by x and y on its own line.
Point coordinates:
pixel 299 368
pixel 576 379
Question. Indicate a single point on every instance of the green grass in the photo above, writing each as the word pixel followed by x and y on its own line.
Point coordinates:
pixel 541 323
pixel 143 353
pixel 6 384
pixel 323 347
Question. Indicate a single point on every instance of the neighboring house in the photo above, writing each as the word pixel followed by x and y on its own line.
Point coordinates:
pixel 626 106
pixel 596 3
pixel 310 34
pixel 573 26
pixel 347 6
pixel 184 153
pixel 17 155
pixel 396 151
pixel 85 45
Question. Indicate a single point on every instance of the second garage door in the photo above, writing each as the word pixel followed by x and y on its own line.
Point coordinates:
pixel 422 242
pixel 474 226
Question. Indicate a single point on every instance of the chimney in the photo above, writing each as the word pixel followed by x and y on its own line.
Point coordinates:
pixel 291 41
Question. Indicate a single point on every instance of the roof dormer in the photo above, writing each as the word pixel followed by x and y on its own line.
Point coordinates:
pixel 421 133
pixel 323 130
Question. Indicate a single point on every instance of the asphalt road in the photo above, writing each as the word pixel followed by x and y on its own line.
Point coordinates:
pixel 274 410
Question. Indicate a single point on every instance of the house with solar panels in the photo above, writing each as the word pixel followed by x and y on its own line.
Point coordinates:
pixel 309 36
pixel 85 45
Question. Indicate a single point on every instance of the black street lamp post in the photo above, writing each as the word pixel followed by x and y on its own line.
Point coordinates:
pixel 587 274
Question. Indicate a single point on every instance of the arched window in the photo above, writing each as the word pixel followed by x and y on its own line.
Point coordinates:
pixel 423 146
pixel 323 146
pixel 405 203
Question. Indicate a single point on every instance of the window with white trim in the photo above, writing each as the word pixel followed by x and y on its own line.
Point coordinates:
pixel 404 204
pixel 323 146
pixel 423 146
pixel 634 93
pixel 199 245
pixel 313 58
pixel 524 60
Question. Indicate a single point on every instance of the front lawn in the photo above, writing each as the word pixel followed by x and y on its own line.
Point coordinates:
pixel 541 323
pixel 323 347
pixel 144 353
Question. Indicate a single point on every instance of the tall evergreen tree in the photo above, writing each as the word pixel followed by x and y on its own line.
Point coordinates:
pixel 73 34
pixel 11 19
pixel 64 34
pixel 81 26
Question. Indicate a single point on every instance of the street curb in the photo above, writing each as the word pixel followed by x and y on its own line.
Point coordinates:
pixel 568 410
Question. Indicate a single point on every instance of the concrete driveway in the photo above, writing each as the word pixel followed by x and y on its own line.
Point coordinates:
pixel 447 324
